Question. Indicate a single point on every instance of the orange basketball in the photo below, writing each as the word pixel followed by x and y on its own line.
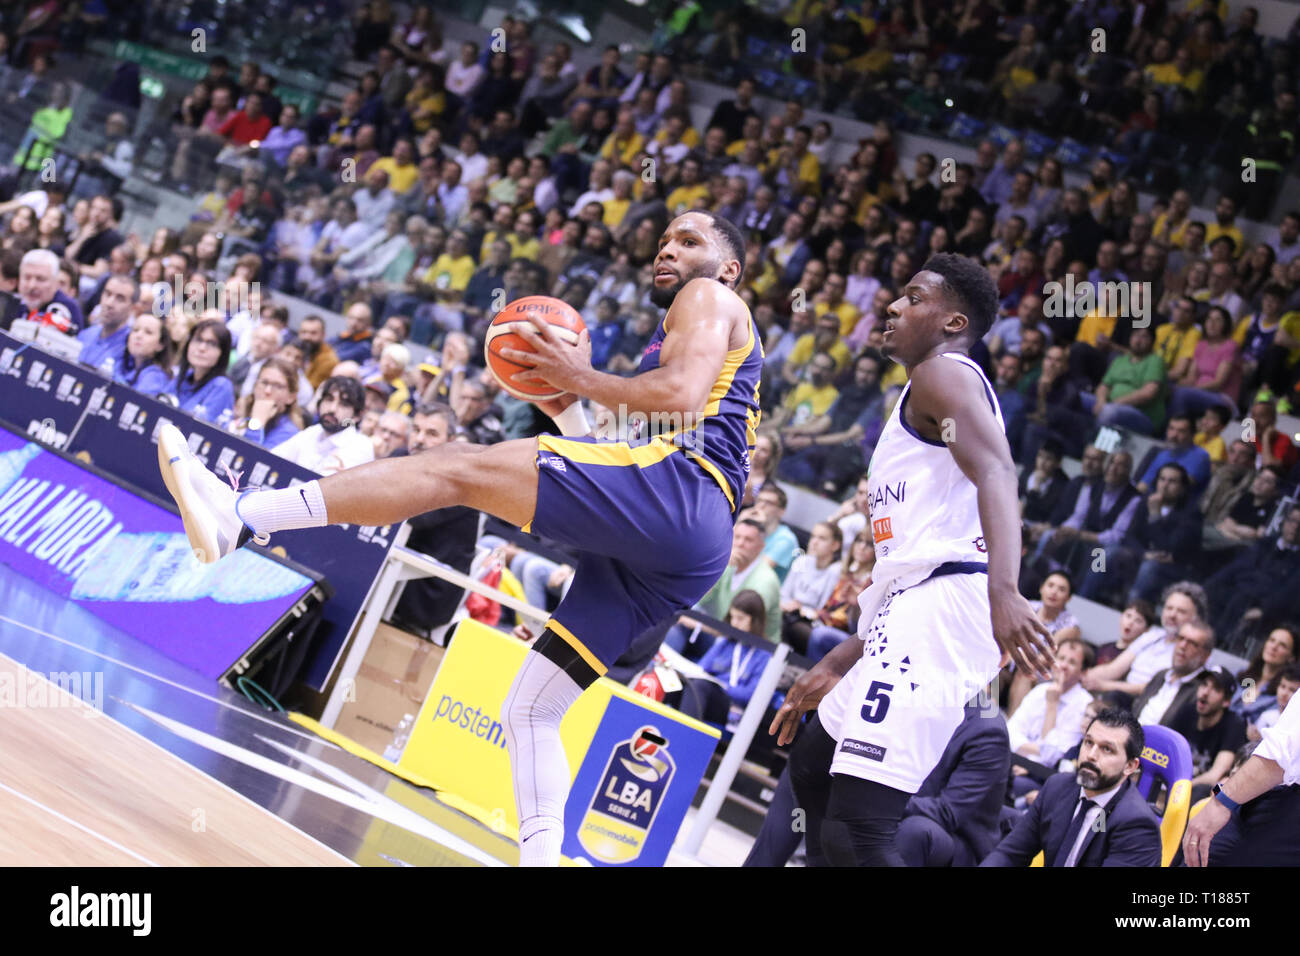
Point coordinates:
pixel 502 334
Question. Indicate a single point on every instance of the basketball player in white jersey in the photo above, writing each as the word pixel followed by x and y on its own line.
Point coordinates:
pixel 943 605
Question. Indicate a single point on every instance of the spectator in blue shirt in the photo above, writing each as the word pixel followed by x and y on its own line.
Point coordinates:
pixel 146 365
pixel 1182 450
pixel 270 415
pixel 103 346
pixel 737 667
pixel 201 387
pixel 606 333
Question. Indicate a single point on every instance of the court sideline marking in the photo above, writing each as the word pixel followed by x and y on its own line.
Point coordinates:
pixel 80 826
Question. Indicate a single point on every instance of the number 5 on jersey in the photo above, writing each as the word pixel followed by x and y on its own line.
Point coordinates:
pixel 877 705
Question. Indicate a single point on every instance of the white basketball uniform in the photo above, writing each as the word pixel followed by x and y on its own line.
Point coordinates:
pixel 925 618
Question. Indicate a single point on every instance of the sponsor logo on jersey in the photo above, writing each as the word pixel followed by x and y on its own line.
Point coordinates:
pixel 628 797
pixel 860 748
pixel 881 530
pixel 885 493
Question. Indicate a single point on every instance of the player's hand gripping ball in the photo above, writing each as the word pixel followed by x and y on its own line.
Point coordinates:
pixel 503 333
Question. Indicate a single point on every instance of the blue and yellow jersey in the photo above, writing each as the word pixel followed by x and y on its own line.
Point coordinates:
pixel 722 436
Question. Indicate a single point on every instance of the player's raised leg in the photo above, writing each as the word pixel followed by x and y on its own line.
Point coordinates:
pixel 498 479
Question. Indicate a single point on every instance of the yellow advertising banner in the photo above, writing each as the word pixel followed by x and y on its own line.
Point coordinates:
pixel 458 742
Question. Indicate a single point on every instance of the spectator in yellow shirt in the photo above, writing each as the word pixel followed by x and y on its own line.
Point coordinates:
pixel 809 399
pixel 824 339
pixel 752 129
pixel 691 191
pixel 1176 340
pixel 1171 225
pixel 615 209
pixel 622 145
pixel 832 300
pixel 1225 214
pixel 400 167
pixel 1211 424
pixel 451 271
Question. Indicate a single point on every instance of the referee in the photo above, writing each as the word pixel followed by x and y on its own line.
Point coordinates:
pixel 1257 808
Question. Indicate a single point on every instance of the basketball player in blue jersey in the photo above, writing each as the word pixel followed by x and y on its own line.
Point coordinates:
pixel 943 607
pixel 653 517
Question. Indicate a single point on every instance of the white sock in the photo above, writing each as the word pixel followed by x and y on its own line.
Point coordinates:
pixel 282 509
pixel 534 707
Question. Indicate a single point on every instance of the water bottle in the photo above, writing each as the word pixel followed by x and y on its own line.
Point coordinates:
pixel 247 577
pixel 13 462
pixel 400 736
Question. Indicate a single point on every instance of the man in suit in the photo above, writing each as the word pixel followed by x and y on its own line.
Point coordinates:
pixel 447 534
pixel 1094 817
pixel 1174 688
pixel 951 821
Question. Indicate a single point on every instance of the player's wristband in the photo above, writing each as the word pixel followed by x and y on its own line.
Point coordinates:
pixel 572 422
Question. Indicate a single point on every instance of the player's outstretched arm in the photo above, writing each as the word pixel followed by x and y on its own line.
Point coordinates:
pixel 694 349
pixel 953 405
pixel 808 691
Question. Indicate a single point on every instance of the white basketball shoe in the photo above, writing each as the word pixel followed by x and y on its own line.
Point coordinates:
pixel 206 503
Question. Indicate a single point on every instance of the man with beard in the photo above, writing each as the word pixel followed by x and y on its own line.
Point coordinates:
pixel 1095 816
pixel 318 354
pixel 653 518
pixel 333 443
pixel 447 534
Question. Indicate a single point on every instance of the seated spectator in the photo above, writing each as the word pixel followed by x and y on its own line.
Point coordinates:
pixel 1054 594
pixel 1229 483
pixel 1131 392
pixel 1054 409
pixel 746 571
pixel 1143 658
pixel 1173 689
pixel 103 346
pixel 1183 451
pixel 1213 375
pixel 264 342
pixel 1102 517
pixel 445 534
pixel 1041 488
pixel 479 422
pixel 319 354
pixel 270 415
pixel 201 387
pixel 1258 682
pixel 737 668
pixel 1249 518
pixel 392 368
pixel 391 434
pixel 1166 535
pixel 353 343
pixel 43 302
pixel 810 399
pixel 1094 816
pixel 1287 684
pixel 1260 584
pixel 809 584
pixel 1047 722
pixel 1272 445
pixel 838 617
pixel 1004 335
pixel 1134 621
pixel 1214 732
pixel 1209 432
pixel 780 544
pixel 826 452
pixel 824 339
pixel 333 443
pixel 147 364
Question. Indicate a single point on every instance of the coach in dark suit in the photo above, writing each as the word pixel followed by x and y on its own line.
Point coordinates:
pixel 1095 817
pixel 953 819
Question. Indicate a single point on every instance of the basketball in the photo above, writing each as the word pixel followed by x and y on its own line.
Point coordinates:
pixel 503 334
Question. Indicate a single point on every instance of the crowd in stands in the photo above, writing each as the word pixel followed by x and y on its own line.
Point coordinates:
pixel 457 177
